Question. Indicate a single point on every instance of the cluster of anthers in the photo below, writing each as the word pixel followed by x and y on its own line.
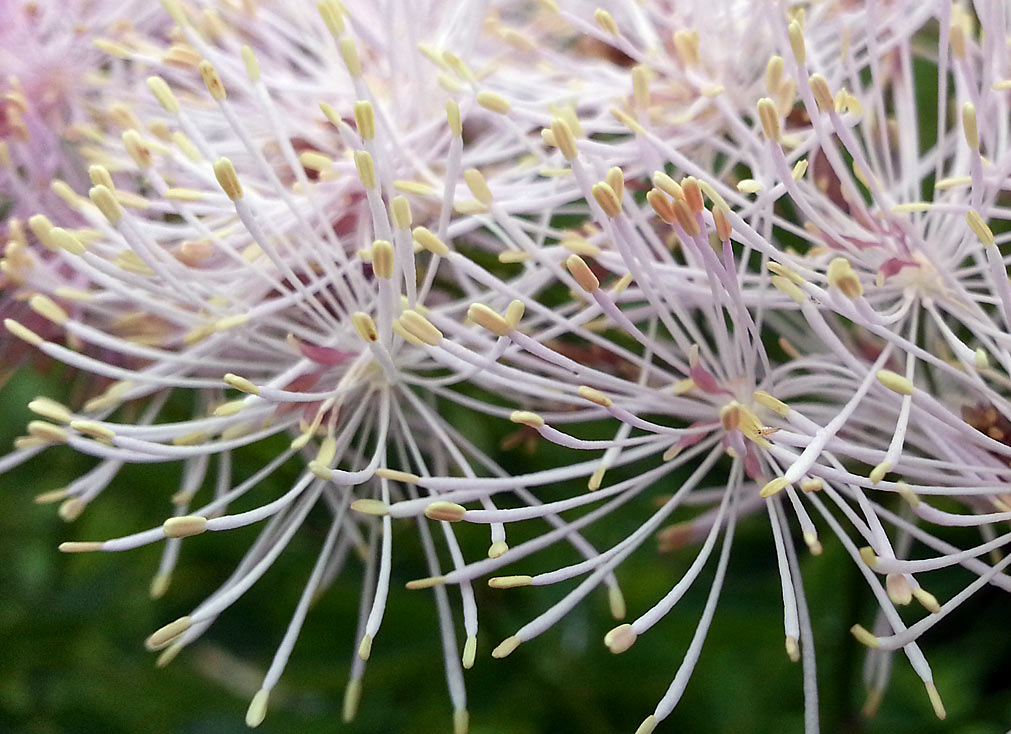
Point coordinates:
pixel 569 220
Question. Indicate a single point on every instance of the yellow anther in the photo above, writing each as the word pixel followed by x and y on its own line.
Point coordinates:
pixel 44 306
pixel 768 114
pixel 493 101
pixel 527 418
pixel 430 242
pixel 241 384
pixel 453 117
pixel 796 33
pixel 395 475
pixel 163 93
pixel 420 327
pixel 895 382
pixel 773 487
pixel 370 507
pixel 774 74
pixel 969 127
pixel 514 313
pixel 101 196
pixel 366 169
pixel 616 180
pixel 211 79
pixel 606 21
pixel 979 227
pixel 582 273
pixel 864 637
pixel 686 46
pixel 400 208
pixel 842 276
pixel 487 318
pixel 365 326
pixel 506 647
pixel 252 64
pixel 665 183
pixel 478 186
pixel 349 53
pixel 607 199
pixel 228 179
pixel 382 259
pixel 594 396
pixel 365 120
pixel 184 526
pixel 509 582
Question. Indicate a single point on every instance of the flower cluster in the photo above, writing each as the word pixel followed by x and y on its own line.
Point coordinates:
pixel 780 286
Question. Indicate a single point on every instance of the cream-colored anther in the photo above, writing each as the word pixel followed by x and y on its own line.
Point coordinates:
pixel 606 198
pixel 420 327
pixel 453 117
pixel 842 276
pixel 382 259
pixel 640 85
pixel 527 418
pixel 486 317
pixel 620 639
pixel 445 511
pixel 400 208
pixel 564 138
pixel 365 326
pixel 594 396
pixel 478 186
pixel 241 384
pixel 493 101
pixel 895 382
pixel 616 180
pixel 137 148
pixel 509 582
pixel 514 313
pixel 365 119
pixel 774 74
pixel 686 46
pixel 427 239
pixel 581 272
pixel 22 332
pixel 822 93
pixel 63 239
pixel 668 185
pixel 330 11
pixel 979 227
pixel 211 79
pixel 768 114
pixel 969 127
pixel 366 169
pixel 184 526
pixel 796 33
pixel 251 63
pixel 606 21
pixel 102 197
pixel 349 53
pixel 163 93
pixel 228 179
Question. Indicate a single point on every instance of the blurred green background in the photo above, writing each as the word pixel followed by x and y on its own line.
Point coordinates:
pixel 72 627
